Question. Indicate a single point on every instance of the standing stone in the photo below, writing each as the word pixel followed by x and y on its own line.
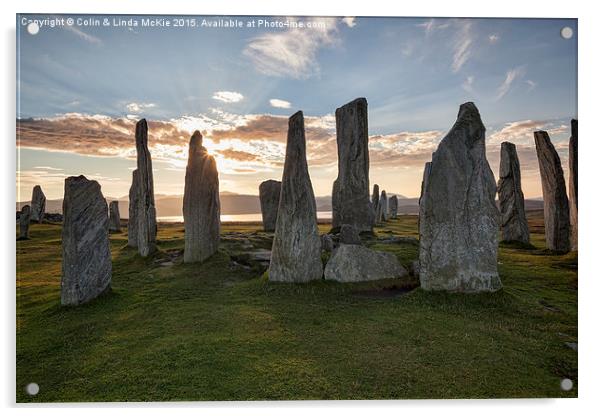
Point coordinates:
pixel 86 253
pixel 555 202
pixel 296 249
pixel 393 203
pixel 201 203
pixel 349 235
pixel 351 189
pixel 375 203
pixel 458 213
pixel 146 214
pixel 512 201
pixel 573 185
pixel 327 243
pixel 114 218
pixel 38 204
pixel 133 211
pixel 423 186
pixel 383 207
pixel 24 220
pixel 269 197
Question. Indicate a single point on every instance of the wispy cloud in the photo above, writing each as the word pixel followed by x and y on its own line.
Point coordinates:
pixel 277 103
pixel 228 96
pixel 137 108
pixel 493 38
pixel 467 84
pixel 349 21
pixel 83 35
pixel 462 44
pixel 531 84
pixel 432 25
pixel 292 53
pixel 511 76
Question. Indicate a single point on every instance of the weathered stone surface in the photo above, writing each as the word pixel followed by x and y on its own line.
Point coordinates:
pixel 38 204
pixel 393 203
pixel 114 217
pixel 555 201
pixel 383 206
pixel 327 243
pixel 146 214
pixel 201 203
pixel 458 213
pixel 356 263
pixel 351 190
pixel 573 186
pixel 511 199
pixel 421 205
pixel 269 198
pixel 24 220
pixel 86 253
pixel 133 210
pixel 349 235
pixel 296 249
pixel 375 203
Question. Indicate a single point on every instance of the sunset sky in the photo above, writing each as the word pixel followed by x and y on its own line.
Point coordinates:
pixel 81 90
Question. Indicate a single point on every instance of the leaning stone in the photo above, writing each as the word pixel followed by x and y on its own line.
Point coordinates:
pixel 269 197
pixel 573 185
pixel 133 210
pixel 38 204
pixel 296 249
pixel 86 252
pixel 351 190
pixel 24 220
pixel 355 263
pixel 511 199
pixel 555 201
pixel 458 212
pixel 393 206
pixel 383 206
pixel 375 203
pixel 114 218
pixel 146 214
pixel 201 203
pixel 349 235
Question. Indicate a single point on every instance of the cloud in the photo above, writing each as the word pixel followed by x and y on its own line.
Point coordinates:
pixel 493 38
pixel 238 155
pixel 228 96
pixel 462 44
pixel 433 24
pixel 293 52
pixel 137 108
pixel 531 84
pixel 511 76
pixel 275 102
pixel 521 132
pixel 467 84
pixel 83 35
pixel 349 21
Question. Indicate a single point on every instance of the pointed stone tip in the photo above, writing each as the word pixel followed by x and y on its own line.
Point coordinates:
pixel 360 101
pixel 196 140
pixel 297 115
pixel 468 109
pixel 508 144
pixel 141 122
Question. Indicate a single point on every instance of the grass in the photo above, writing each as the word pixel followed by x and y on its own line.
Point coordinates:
pixel 219 331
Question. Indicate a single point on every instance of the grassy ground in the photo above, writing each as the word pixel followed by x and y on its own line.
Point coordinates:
pixel 219 331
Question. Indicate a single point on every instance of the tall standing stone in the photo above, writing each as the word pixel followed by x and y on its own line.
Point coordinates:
pixel 375 203
pixel 393 205
pixel 146 214
pixel 133 210
pixel 269 198
pixel 555 202
pixel 296 248
pixel 383 206
pixel 512 201
pixel 38 204
pixel 351 189
pixel 573 185
pixel 458 213
pixel 114 217
pixel 201 203
pixel 24 220
pixel 86 252
pixel 421 204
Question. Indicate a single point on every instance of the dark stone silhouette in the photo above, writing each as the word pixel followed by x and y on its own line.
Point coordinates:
pixel 146 213
pixel 511 199
pixel 269 198
pixel 38 204
pixel 375 203
pixel 24 220
pixel 114 217
pixel 573 159
pixel 133 210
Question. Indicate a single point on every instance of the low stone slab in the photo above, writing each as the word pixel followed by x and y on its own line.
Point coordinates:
pixel 355 263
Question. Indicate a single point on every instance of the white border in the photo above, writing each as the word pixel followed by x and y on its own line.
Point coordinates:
pixel 591 151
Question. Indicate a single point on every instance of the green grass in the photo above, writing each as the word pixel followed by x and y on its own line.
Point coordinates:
pixel 218 331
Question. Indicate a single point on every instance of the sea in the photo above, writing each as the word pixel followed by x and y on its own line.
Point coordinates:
pixel 322 215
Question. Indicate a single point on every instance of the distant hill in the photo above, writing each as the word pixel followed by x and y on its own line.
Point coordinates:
pixel 234 204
